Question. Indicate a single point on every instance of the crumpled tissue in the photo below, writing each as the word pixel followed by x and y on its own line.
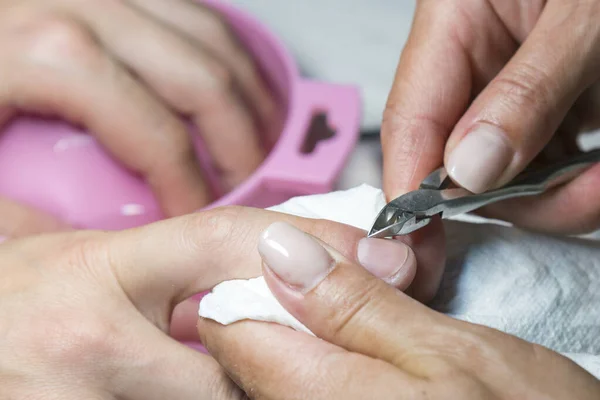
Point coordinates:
pixel 543 289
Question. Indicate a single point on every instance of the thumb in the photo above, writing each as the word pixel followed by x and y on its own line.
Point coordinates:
pixel 517 114
pixel 161 265
pixel 337 299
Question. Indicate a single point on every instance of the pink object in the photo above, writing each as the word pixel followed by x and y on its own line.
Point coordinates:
pixel 59 168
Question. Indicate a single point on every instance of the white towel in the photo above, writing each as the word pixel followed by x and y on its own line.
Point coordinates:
pixel 543 289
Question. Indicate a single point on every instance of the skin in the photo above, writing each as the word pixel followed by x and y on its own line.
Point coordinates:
pixel 529 68
pixel 376 342
pixel 87 315
pixel 132 72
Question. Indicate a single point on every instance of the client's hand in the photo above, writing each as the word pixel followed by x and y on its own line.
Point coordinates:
pixel 128 71
pixel 86 315
pixel 378 342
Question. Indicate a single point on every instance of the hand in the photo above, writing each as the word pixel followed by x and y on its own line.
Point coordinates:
pixel 484 87
pixel 87 314
pixel 378 343
pixel 128 71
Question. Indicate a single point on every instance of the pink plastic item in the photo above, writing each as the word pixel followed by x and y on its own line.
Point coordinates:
pixel 61 169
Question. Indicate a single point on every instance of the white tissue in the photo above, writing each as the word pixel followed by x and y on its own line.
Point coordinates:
pixel 243 299
pixel 543 289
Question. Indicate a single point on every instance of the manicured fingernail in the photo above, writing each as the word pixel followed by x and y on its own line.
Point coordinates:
pixel 384 258
pixel 3 238
pixel 480 158
pixel 294 256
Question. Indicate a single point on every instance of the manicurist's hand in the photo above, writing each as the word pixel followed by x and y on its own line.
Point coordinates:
pixel 375 341
pixel 485 88
pixel 92 315
pixel 131 71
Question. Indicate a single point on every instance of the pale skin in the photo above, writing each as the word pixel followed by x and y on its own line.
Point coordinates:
pixel 86 315
pixel 98 306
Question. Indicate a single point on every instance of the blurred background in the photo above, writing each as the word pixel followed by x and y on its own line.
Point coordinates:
pixel 350 41
pixel 345 41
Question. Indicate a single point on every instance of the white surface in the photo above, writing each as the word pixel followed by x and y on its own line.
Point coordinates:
pixel 543 289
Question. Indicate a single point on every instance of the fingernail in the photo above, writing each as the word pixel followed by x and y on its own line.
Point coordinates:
pixel 384 258
pixel 294 256
pixel 480 158
pixel 3 239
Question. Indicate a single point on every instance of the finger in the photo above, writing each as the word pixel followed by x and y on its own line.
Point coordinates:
pixel 208 29
pixel 339 301
pixel 518 112
pixel 188 79
pixel 427 98
pixel 430 94
pixel 21 220
pixel 56 67
pixel 262 366
pixel 163 264
pixel 569 209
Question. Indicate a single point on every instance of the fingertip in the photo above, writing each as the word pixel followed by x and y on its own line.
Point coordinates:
pixel 390 260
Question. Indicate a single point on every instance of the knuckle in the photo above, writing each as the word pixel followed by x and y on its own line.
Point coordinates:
pixel 396 115
pixel 83 252
pixel 217 26
pixel 217 228
pixel 477 349
pixel 53 39
pixel 524 87
pixel 223 80
pixel 207 94
pixel 355 307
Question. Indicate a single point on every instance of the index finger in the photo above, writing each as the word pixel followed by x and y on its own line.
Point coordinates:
pixel 431 90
